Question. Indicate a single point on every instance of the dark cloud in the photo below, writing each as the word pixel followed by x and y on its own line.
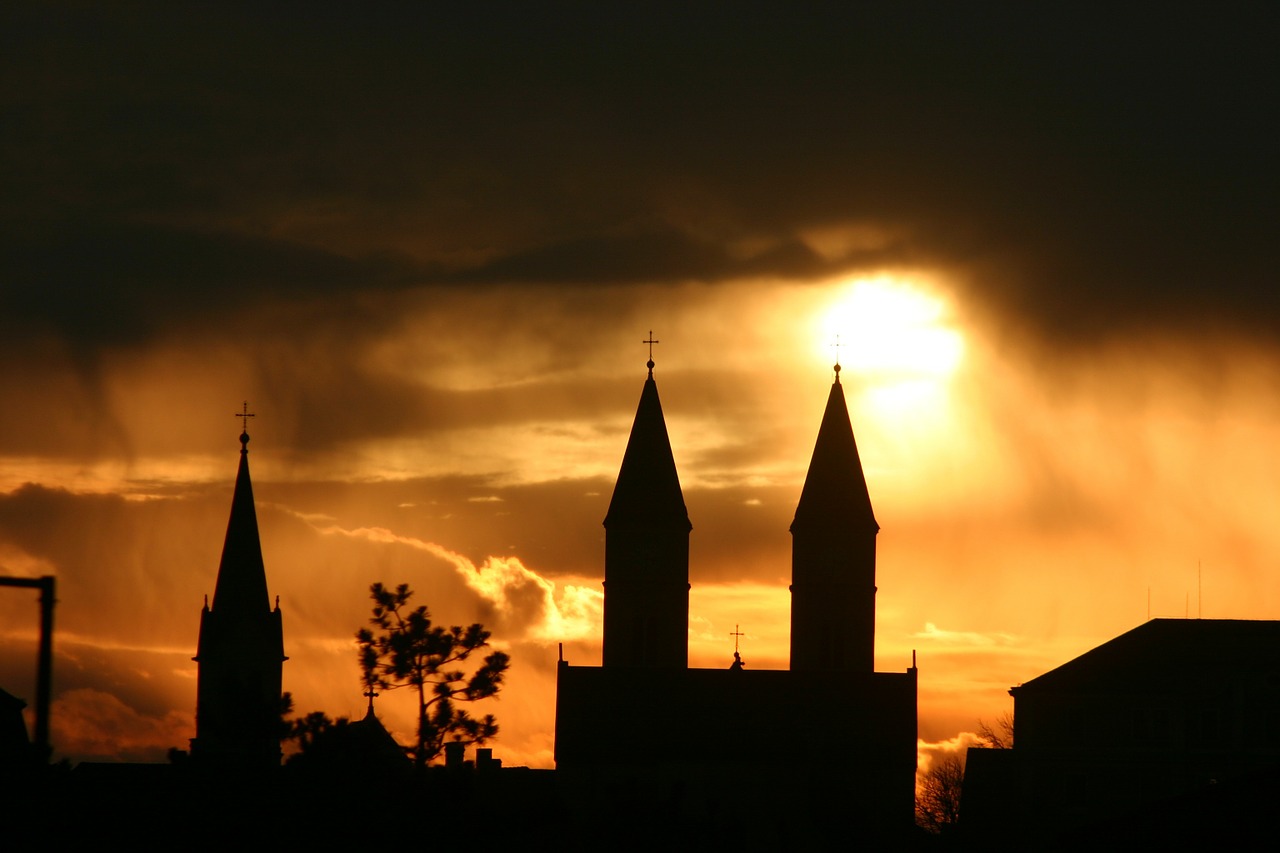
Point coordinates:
pixel 1100 171
pixel 117 284
pixel 400 222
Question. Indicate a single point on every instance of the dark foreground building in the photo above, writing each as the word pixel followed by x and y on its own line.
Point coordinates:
pixel 1165 731
pixel 827 746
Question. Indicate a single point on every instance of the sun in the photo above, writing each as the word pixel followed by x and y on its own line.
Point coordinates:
pixel 890 331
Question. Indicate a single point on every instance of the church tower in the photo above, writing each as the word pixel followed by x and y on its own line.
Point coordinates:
pixel 646 550
pixel 833 553
pixel 241 648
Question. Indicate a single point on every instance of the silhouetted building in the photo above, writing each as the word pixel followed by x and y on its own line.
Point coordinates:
pixel 1169 709
pixel 829 739
pixel 241 648
pixel 16 752
pixel 363 749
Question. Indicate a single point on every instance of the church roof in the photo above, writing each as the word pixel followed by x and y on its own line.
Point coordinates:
pixel 1169 655
pixel 242 578
pixel 648 487
pixel 835 490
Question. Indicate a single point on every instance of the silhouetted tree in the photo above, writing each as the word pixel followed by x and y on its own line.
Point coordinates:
pixel 998 735
pixel 938 794
pixel 285 727
pixel 312 729
pixel 408 651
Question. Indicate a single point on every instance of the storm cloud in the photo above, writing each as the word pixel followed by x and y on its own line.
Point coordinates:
pixel 425 244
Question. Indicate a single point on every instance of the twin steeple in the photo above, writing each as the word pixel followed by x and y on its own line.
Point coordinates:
pixel 835 489
pixel 646 562
pixel 833 552
pixel 647 527
pixel 647 491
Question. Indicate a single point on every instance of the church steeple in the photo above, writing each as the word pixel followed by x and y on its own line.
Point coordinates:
pixel 242 578
pixel 241 647
pixel 833 552
pixel 646 599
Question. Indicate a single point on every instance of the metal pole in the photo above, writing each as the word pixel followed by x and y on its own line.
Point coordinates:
pixel 44 664
pixel 44 668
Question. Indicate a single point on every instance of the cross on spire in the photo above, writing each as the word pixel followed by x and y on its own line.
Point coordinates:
pixel 244 417
pixel 735 633
pixel 650 342
pixel 372 694
pixel 836 368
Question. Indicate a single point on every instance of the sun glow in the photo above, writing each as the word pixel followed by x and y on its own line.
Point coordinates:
pixel 891 329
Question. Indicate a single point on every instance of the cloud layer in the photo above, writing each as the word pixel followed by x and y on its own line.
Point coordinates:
pixel 425 247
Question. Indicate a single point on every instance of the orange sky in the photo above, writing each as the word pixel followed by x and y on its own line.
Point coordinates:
pixel 1026 512
pixel 426 250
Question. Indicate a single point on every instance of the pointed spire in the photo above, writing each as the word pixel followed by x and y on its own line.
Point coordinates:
pixel 835 489
pixel 648 487
pixel 242 578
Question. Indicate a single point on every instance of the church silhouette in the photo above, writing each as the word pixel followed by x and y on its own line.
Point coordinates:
pixel 240 652
pixel 829 738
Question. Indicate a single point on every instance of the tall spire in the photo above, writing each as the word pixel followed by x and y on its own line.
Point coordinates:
pixel 648 487
pixel 241 647
pixel 835 489
pixel 646 617
pixel 242 578
pixel 833 552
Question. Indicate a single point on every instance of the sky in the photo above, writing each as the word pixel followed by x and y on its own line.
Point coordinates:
pixel 426 244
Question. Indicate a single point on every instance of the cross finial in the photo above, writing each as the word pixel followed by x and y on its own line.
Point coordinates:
pixel 735 633
pixel 836 368
pixel 372 694
pixel 244 416
pixel 651 341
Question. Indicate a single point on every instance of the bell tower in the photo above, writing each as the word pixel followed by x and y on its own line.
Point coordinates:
pixel 646 561
pixel 833 553
pixel 241 647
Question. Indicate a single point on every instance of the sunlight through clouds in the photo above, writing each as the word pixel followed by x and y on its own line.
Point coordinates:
pixel 891 328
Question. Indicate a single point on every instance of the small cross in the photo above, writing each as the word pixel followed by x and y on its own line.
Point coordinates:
pixel 735 633
pixel 650 342
pixel 372 695
pixel 837 365
pixel 244 417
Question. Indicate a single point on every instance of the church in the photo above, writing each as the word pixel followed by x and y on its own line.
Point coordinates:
pixel 829 738
pixel 240 651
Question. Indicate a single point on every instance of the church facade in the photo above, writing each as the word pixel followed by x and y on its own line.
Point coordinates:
pixel 830 733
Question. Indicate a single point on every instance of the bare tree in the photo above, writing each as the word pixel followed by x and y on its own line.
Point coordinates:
pixel 998 735
pixel 938 794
